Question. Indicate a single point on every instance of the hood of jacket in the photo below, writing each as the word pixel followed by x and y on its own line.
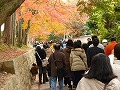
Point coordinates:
pixel 77 51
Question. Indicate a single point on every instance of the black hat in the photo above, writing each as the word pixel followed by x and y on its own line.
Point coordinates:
pixel 112 39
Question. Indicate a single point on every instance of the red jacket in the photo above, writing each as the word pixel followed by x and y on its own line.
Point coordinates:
pixel 109 48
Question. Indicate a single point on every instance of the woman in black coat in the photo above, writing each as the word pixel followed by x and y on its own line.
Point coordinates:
pixel 42 70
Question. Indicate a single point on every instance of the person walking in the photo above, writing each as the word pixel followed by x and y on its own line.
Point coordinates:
pixel 109 48
pixel 40 55
pixel 48 53
pixel 56 60
pixel 78 62
pixel 67 51
pixel 115 60
pixel 100 76
pixel 92 51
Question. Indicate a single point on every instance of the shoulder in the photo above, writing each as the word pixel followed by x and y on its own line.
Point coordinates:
pixel 114 82
pixel 86 79
pixel 85 84
pixel 91 45
pixel 61 53
pixel 101 46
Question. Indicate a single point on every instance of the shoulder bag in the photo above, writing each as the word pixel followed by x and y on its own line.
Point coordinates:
pixel 44 61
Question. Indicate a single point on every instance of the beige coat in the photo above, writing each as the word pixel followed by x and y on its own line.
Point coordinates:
pixel 76 63
pixel 93 84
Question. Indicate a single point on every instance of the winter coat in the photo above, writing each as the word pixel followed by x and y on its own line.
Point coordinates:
pixel 91 52
pixel 110 47
pixel 60 62
pixel 42 55
pixel 76 62
pixel 67 52
pixel 93 84
pixel 115 65
pixel 116 68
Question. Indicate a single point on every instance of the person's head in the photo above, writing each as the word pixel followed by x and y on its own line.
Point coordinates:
pixel 104 42
pixel 88 39
pixel 44 46
pixel 33 64
pixel 117 51
pixel 56 47
pixel 101 69
pixel 93 37
pixel 69 43
pixel 95 42
pixel 85 46
pixel 77 44
pixel 38 48
pixel 89 43
pixel 112 39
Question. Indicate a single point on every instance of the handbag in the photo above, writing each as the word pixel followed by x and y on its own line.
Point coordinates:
pixel 60 71
pixel 44 61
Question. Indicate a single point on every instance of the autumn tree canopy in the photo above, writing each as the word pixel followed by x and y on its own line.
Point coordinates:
pixel 47 16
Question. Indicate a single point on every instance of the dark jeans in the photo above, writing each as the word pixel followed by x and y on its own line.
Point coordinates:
pixel 76 76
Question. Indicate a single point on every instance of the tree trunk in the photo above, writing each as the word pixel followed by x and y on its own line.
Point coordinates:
pixel 7 32
pixel 0 35
pixel 19 33
pixel 13 28
pixel 25 34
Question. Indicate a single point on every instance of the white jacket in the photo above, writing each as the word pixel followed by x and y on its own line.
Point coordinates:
pixel 93 84
pixel 116 68
pixel 115 65
pixel 99 45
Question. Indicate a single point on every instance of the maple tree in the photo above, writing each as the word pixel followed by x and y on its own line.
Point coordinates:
pixel 47 16
pixel 42 18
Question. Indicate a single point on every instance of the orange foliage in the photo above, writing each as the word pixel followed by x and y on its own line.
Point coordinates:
pixel 46 16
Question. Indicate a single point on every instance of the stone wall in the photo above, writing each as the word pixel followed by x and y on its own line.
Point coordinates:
pixel 18 75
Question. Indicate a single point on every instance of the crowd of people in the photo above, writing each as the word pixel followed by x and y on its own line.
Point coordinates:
pixel 88 66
